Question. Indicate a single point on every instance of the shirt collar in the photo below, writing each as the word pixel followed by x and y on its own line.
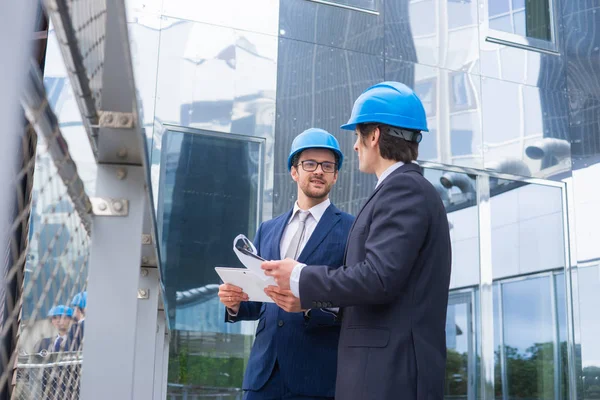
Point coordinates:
pixel 316 211
pixel 388 172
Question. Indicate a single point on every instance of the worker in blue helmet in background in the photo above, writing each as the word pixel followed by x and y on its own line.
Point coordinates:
pixel 61 317
pixel 79 303
pixel 294 355
pixel 393 287
pixel 55 379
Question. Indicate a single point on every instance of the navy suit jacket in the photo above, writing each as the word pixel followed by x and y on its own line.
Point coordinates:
pixel 305 349
pixel 48 344
pixel 76 335
pixel 393 288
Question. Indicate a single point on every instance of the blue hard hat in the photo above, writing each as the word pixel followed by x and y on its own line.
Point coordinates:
pixel 58 311
pixel 315 138
pixel 79 300
pixel 389 103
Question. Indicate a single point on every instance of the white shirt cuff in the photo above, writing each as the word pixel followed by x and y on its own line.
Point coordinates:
pixel 295 279
pixel 230 312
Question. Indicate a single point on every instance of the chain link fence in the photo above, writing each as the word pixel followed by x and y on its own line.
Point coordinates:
pixel 54 272
pixel 44 295
pixel 81 30
pixel 44 299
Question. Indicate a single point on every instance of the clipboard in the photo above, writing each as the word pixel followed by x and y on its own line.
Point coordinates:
pixel 246 252
pixel 251 284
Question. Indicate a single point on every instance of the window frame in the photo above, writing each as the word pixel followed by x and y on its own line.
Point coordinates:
pixel 339 4
pixel 523 42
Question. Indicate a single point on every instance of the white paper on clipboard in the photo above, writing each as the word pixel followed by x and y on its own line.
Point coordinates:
pixel 250 283
pixel 248 256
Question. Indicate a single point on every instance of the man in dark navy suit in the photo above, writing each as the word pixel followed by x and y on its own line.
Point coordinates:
pixel 393 287
pixel 55 379
pixel 79 303
pixel 61 318
pixel 295 351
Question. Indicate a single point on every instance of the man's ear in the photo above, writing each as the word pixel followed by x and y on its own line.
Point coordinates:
pixel 374 137
pixel 294 173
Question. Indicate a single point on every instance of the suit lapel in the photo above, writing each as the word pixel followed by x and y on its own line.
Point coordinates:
pixel 330 217
pixel 404 168
pixel 276 244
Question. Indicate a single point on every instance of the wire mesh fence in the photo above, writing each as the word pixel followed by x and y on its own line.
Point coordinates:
pixel 53 298
pixel 44 294
pixel 40 376
pixel 81 29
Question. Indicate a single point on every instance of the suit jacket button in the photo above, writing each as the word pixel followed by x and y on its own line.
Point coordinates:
pixel 280 323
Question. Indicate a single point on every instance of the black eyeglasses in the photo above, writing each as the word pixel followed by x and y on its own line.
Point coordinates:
pixel 311 166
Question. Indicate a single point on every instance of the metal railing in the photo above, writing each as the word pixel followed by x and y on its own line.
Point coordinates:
pixel 81 29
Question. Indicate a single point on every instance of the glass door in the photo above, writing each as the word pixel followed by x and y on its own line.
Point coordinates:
pixel 460 343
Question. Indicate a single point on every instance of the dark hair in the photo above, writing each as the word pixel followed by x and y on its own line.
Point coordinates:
pixel 296 158
pixel 390 147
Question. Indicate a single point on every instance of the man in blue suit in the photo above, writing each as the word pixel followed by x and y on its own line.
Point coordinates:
pixel 56 380
pixel 61 318
pixel 393 287
pixel 295 351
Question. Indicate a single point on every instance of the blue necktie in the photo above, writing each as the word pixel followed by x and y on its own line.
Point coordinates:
pixel 57 344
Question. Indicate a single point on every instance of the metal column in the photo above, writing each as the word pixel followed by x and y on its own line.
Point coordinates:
pixel 112 288
pixel 116 252
pixel 165 369
pixel 160 362
pixel 16 29
pixel 145 344
pixel 486 294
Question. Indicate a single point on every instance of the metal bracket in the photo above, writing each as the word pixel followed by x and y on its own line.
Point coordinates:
pixel 148 262
pixel 109 207
pixel 115 119
pixel 146 238
pixel 143 294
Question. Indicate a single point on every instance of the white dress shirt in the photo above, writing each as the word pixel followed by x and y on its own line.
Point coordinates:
pixel 295 276
pixel 388 172
pixel 310 224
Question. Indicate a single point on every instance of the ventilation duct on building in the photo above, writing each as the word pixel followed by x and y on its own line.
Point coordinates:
pixel 549 147
pixel 461 181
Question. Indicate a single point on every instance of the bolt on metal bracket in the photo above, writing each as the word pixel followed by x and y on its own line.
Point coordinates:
pixel 148 262
pixel 143 294
pixel 146 238
pixel 109 207
pixel 115 119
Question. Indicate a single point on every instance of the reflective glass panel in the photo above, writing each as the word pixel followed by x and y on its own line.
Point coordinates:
pixel 527 228
pixel 530 323
pixel 589 351
pixel 529 338
pixel 458 193
pixel 210 193
pixel 460 342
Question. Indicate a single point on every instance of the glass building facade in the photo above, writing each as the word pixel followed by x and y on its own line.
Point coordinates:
pixel 512 96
